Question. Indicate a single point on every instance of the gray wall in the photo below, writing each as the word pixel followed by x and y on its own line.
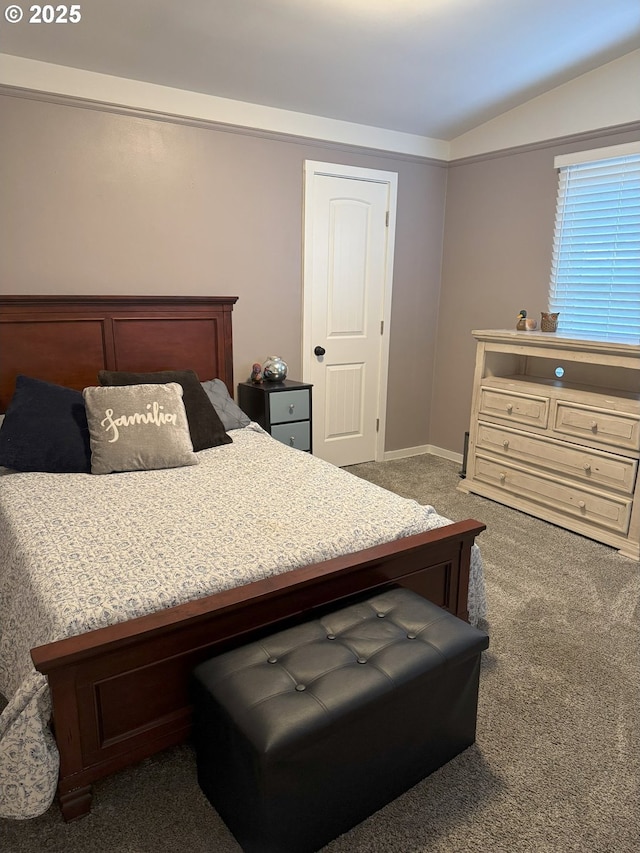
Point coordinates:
pixel 95 202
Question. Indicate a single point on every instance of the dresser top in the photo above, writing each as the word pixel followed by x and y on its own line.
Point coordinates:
pixel 555 341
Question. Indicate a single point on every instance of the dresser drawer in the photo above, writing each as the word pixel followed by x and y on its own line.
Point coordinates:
pixel 607 511
pixel 520 408
pixel 604 425
pixel 289 406
pixel 294 434
pixel 602 470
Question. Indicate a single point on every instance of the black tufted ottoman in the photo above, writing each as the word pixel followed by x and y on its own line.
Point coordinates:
pixel 303 734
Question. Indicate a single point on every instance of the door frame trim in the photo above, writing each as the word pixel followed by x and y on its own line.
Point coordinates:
pixel 313 168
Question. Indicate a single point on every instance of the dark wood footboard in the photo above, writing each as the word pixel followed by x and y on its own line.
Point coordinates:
pixel 121 693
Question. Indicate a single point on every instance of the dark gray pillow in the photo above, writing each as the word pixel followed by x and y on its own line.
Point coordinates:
pixel 231 415
pixel 205 426
pixel 138 428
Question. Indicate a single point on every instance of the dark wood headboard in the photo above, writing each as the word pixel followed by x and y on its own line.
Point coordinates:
pixel 68 339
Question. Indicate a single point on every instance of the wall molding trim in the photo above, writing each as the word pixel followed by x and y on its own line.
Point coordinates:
pixel 160 101
pixel 605 98
pixel 420 450
pixel 584 136
pixel 211 124
pixel 290 138
pixel 405 452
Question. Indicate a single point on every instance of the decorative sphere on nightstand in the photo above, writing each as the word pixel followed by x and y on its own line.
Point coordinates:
pixel 274 369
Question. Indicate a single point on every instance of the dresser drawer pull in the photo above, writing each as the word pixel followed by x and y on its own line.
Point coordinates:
pixel 292 440
pixel 594 426
pixel 503 477
pixel 291 408
pixel 509 407
pixel 587 467
pixel 505 444
pixel 582 505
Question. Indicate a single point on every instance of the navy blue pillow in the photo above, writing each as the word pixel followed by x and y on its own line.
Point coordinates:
pixel 45 429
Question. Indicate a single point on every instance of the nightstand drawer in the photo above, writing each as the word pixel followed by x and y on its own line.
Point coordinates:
pixel 294 434
pixel 289 406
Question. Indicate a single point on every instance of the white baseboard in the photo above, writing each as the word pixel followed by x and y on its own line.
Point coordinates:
pixel 424 448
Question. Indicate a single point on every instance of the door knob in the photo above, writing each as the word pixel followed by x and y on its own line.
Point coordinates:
pixel 319 351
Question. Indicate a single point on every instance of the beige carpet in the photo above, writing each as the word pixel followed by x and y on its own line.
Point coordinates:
pixel 556 765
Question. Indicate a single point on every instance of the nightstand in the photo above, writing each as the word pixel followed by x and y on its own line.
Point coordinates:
pixel 281 408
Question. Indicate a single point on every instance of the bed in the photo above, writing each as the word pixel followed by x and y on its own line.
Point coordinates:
pixel 108 594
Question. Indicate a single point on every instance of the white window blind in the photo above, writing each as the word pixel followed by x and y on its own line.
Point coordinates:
pixel 595 274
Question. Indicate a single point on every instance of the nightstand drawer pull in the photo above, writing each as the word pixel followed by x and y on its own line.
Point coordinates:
pixel 291 408
pixel 292 440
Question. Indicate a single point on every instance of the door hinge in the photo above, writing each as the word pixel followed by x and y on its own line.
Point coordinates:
pixel 386 219
pixel 382 327
pixel 377 424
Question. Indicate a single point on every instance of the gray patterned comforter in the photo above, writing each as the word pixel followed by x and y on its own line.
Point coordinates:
pixel 79 552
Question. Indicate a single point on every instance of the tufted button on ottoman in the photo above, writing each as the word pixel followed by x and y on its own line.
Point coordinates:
pixel 305 733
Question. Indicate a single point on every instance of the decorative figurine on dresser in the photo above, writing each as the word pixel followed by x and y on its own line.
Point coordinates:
pixel 549 321
pixel 281 407
pixel 555 431
pixel 256 373
pixel 525 324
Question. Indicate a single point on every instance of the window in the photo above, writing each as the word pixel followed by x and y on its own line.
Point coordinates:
pixel 595 273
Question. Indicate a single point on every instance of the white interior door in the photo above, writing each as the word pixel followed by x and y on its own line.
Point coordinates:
pixel 349 227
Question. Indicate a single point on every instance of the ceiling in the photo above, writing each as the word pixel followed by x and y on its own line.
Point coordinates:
pixel 436 68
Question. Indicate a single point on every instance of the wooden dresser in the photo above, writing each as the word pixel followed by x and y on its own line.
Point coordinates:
pixel 555 432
